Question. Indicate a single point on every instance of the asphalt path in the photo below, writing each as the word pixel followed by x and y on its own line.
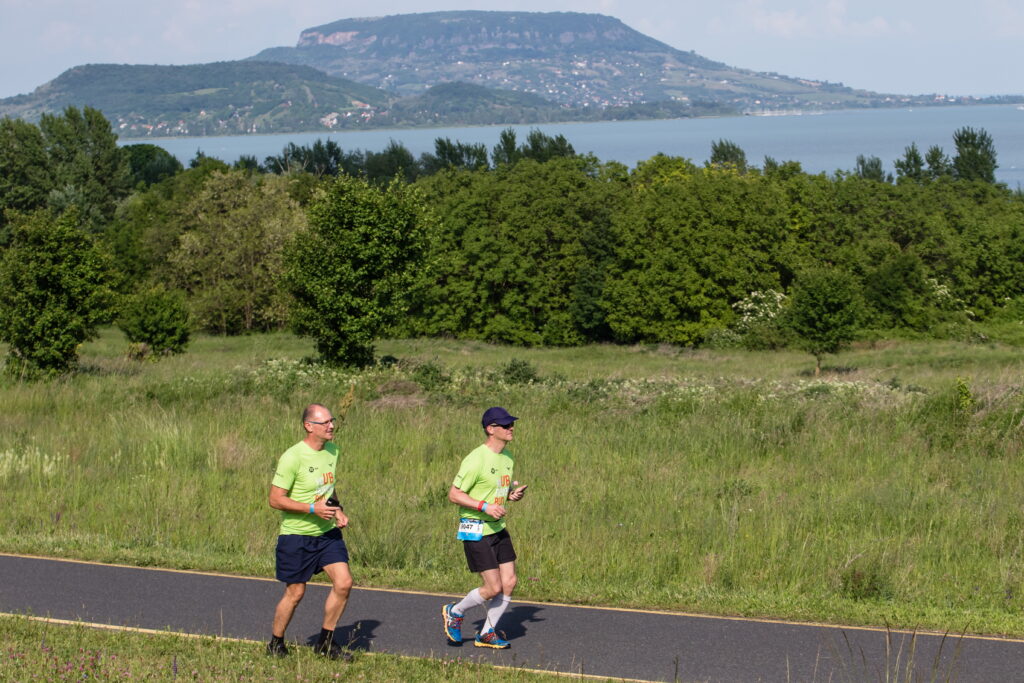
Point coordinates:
pixel 613 643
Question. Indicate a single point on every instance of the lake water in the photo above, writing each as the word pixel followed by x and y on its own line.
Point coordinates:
pixel 826 142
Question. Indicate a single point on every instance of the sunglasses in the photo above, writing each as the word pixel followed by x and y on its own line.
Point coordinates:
pixel 508 426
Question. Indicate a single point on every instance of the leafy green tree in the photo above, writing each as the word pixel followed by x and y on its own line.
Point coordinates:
pixel 150 164
pixel 54 292
pixel 689 243
pixel 939 165
pixel 25 175
pixel 897 292
pixel 320 159
pixel 727 154
pixel 228 259
pixel 448 154
pixel 506 151
pixel 201 158
pixel 824 312
pixel 522 254
pixel 870 168
pixel 911 165
pixel 395 161
pixel 975 155
pixel 352 272
pixel 148 224
pixel 157 319
pixel 542 147
pixel 597 241
pixel 90 171
pixel 987 268
pixel 292 159
pixel 248 163
pixel 781 170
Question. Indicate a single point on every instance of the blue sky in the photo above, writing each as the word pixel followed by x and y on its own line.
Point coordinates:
pixel 896 46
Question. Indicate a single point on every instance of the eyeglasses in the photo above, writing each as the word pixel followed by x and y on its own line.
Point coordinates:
pixel 333 420
pixel 508 426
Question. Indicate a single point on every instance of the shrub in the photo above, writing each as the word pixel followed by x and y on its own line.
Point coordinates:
pixel 759 320
pixel 54 293
pixel 431 376
pixel 517 371
pixel 157 319
pixel 723 338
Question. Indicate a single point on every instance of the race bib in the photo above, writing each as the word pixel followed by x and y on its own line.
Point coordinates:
pixel 470 529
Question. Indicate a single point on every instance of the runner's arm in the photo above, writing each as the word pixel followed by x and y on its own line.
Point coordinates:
pixel 461 498
pixel 279 500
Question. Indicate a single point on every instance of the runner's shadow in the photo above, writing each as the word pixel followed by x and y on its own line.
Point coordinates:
pixel 513 622
pixel 357 636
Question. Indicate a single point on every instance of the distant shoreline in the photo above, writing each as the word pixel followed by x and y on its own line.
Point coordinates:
pixel 443 126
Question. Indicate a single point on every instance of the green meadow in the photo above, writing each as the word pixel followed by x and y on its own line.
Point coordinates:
pixel 886 492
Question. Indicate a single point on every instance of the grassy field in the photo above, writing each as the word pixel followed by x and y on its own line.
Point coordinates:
pixel 38 651
pixel 885 492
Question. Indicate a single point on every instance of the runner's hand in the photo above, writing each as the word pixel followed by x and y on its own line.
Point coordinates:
pixel 496 511
pixel 324 511
pixel 518 493
pixel 340 519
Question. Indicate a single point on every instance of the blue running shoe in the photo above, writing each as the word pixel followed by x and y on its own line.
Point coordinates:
pixel 490 639
pixel 452 623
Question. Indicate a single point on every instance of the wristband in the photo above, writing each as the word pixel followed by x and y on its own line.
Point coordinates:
pixel 312 508
pixel 483 506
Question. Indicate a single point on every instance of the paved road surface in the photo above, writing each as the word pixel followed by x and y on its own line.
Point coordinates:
pixel 605 642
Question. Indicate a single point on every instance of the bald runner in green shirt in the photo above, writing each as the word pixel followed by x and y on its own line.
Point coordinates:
pixel 310 540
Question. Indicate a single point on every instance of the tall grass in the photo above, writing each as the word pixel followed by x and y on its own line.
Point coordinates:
pixel 734 483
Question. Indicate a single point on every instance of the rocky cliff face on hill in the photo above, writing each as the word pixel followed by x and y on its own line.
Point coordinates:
pixel 571 58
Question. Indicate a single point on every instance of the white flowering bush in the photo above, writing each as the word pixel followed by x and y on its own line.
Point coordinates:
pixel 759 320
pixel 758 308
pixel 945 300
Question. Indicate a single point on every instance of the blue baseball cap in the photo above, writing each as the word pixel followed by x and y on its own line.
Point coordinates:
pixel 496 415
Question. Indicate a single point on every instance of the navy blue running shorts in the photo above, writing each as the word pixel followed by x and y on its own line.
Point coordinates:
pixel 300 557
pixel 489 551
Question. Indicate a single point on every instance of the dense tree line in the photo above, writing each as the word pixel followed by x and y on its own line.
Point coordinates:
pixel 527 243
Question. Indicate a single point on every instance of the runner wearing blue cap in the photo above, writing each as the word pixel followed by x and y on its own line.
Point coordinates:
pixel 481 489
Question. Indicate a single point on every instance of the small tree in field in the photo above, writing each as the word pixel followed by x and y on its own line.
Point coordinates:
pixel 53 292
pixel 352 271
pixel 824 312
pixel 156 322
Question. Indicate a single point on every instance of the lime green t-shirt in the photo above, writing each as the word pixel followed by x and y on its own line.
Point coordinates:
pixel 487 476
pixel 308 476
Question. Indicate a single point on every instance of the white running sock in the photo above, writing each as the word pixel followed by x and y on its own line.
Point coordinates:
pixel 498 605
pixel 471 600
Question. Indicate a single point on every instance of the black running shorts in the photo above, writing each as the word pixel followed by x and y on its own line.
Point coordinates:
pixel 489 551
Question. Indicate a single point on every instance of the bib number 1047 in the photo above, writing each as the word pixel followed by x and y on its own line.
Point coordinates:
pixel 470 529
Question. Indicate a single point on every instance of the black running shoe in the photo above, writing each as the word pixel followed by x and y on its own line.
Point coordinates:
pixel 276 648
pixel 332 650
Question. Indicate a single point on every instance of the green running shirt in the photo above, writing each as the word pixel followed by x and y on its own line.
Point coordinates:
pixel 308 477
pixel 487 476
